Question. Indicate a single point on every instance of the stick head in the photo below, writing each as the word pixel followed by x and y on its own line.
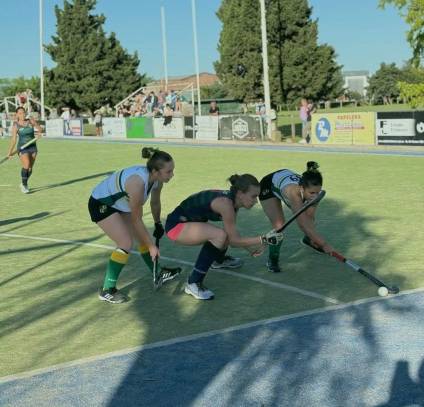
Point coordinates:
pixel 393 290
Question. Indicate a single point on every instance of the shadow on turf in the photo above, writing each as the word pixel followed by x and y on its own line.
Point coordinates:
pixel 188 372
pixel 33 219
pixel 405 391
pixel 194 373
pixel 22 218
pixel 69 182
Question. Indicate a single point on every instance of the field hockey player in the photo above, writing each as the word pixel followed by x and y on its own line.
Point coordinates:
pixel 188 225
pixel 294 190
pixel 23 132
pixel 116 205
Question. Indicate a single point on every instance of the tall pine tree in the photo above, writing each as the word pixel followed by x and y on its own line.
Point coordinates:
pixel 298 66
pixel 92 69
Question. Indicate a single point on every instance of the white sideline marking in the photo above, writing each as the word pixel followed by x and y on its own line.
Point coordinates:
pixel 187 263
pixel 188 338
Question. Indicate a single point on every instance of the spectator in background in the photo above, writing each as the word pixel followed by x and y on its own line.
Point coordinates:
pixel 98 121
pixel 168 113
pixel 213 109
pixel 311 109
pixel 303 114
pixel 151 102
pixel 260 108
pixel 66 114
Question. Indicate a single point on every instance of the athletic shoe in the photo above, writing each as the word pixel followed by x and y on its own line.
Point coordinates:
pixel 198 291
pixel 168 274
pixel 24 189
pixel 112 295
pixel 273 266
pixel 229 262
pixel 306 241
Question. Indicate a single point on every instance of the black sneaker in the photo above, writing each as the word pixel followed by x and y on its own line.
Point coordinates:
pixel 112 295
pixel 166 274
pixel 306 241
pixel 273 266
pixel 229 262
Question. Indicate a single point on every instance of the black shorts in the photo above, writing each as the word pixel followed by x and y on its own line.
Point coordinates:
pixel 99 211
pixel 266 188
pixel 98 125
pixel 29 150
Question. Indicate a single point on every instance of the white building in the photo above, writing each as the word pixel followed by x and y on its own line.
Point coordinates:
pixel 356 81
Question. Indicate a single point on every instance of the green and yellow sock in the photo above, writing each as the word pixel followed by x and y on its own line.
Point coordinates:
pixel 274 252
pixel 118 259
pixel 145 254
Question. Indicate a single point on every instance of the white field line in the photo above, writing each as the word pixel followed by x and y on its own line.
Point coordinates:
pixel 188 338
pixel 187 263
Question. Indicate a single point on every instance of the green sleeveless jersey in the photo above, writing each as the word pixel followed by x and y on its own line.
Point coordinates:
pixel 25 134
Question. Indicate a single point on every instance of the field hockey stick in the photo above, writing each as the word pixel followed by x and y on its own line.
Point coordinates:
pixel 307 205
pixel 375 280
pixel 157 281
pixel 32 141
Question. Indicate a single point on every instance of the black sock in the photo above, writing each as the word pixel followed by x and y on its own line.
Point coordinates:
pixel 29 172
pixel 208 254
pixel 24 176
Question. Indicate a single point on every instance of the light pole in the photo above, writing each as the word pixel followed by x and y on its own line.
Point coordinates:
pixel 164 48
pixel 265 69
pixel 41 60
pixel 196 54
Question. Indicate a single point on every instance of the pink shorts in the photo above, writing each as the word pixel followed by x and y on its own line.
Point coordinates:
pixel 175 231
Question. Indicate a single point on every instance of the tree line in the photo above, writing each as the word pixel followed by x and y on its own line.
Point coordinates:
pixel 92 69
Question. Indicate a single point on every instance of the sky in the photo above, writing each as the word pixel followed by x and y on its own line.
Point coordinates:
pixel 363 35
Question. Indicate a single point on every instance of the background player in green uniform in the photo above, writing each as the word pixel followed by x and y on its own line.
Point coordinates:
pixel 22 133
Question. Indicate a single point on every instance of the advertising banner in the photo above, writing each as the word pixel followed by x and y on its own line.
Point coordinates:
pixel 139 127
pixel 73 127
pixel 343 128
pixel 207 127
pixel 54 128
pixel 165 128
pixel 400 128
pixel 240 127
pixel 114 127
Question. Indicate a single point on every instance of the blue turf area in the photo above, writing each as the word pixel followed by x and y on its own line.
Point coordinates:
pixel 370 353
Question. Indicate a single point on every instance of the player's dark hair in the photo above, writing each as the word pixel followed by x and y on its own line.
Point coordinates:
pixel 311 177
pixel 20 108
pixel 242 182
pixel 156 158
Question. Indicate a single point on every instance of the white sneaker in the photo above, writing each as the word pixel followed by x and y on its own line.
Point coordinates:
pixel 198 291
pixel 228 263
pixel 24 189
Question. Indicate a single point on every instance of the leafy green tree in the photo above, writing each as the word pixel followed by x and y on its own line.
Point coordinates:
pixel 214 91
pixel 92 69
pixel 383 85
pixel 9 87
pixel 298 66
pixel 413 14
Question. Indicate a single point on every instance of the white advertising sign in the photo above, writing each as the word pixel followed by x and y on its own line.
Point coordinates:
pixel 395 127
pixel 207 127
pixel 114 127
pixel 54 128
pixel 172 129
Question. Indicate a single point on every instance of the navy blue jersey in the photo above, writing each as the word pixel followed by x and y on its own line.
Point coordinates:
pixel 197 207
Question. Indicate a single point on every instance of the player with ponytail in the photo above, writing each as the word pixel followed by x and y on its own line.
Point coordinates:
pixel 188 225
pixel 294 190
pixel 116 205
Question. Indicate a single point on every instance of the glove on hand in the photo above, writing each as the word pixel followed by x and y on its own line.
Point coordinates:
pixel 272 238
pixel 159 230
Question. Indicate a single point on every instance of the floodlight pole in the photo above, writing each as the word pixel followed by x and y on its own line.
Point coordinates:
pixel 164 47
pixel 43 115
pixel 196 54
pixel 265 69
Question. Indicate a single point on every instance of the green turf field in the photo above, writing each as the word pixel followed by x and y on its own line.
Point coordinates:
pixel 50 312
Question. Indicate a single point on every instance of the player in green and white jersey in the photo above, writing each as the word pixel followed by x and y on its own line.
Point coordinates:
pixel 294 190
pixel 116 205
pixel 23 131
